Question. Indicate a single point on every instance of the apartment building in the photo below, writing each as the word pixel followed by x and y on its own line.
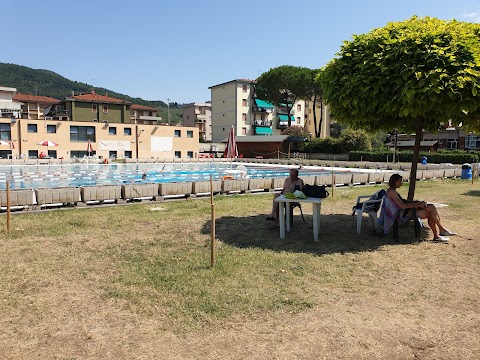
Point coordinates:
pixel 199 115
pixel 33 106
pixel 103 121
pixel 234 103
pixel 8 107
pixel 141 114
pixel 322 111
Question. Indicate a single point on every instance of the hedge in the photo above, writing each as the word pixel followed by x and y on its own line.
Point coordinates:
pixel 454 157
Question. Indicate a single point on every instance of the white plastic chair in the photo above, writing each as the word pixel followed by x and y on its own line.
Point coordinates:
pixel 368 207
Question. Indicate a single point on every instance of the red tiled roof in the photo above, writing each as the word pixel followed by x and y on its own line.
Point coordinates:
pixel 142 107
pixel 35 98
pixel 97 98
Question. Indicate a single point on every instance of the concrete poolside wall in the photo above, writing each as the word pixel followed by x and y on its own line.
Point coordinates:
pixel 17 198
pixel 154 191
pixel 68 195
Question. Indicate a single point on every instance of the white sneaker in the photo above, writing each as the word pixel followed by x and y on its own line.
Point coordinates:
pixel 447 233
pixel 441 239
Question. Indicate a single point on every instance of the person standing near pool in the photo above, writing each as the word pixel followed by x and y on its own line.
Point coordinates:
pixel 292 183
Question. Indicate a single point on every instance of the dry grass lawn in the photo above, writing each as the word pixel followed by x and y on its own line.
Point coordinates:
pixel 127 282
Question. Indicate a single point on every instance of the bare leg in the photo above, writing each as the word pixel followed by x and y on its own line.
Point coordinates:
pixel 431 213
pixel 275 208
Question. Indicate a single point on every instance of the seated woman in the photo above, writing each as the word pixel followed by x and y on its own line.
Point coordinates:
pixel 424 210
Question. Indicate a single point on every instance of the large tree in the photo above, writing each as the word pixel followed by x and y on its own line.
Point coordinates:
pixel 315 95
pixel 410 76
pixel 283 86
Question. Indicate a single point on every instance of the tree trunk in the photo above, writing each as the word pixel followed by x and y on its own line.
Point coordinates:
pixel 415 158
pixel 321 118
pixel 314 102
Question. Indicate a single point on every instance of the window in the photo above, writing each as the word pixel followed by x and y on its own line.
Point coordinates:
pixel 244 117
pixel 189 154
pixel 32 154
pixel 244 131
pixel 105 109
pixel 244 88
pixel 82 133
pixel 112 130
pixel 244 102
pixel 51 129
pixel 189 134
pixel 128 154
pixel 94 108
pixel 452 144
pixel 178 133
pixel 32 128
pixel 127 131
pixel 178 154
pixel 112 154
pixel 299 107
pixel 298 119
pixel 78 154
pixel 5 133
pixel 52 154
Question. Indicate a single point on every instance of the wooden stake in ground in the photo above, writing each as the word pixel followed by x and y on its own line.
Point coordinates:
pixel 8 206
pixel 212 239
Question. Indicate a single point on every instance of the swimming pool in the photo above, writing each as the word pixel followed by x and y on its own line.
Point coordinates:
pixel 79 175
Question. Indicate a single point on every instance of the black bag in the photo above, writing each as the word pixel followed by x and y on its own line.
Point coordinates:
pixel 316 191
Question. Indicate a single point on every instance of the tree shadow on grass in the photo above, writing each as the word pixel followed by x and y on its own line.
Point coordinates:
pixel 337 234
pixel 472 193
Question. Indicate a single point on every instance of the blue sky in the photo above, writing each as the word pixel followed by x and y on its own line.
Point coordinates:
pixel 177 49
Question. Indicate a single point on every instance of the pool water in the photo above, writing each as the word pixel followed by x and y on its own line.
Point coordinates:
pixel 79 175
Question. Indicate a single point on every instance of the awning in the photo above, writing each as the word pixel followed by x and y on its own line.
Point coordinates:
pixel 263 131
pixel 284 117
pixel 263 104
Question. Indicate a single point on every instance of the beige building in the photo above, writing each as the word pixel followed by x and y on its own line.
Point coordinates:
pixel 309 120
pixel 234 104
pixel 103 121
pixel 114 140
pixel 199 115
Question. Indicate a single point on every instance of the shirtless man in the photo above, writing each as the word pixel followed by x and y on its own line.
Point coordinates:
pixel 290 185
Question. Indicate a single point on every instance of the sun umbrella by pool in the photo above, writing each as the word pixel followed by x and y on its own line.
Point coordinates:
pixel 231 152
pixel 9 143
pixel 47 143
pixel 89 148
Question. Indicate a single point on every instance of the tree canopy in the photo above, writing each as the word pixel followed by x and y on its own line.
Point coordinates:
pixel 283 86
pixel 410 75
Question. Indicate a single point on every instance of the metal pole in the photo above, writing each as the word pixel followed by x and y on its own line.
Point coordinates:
pixel 333 182
pixel 8 206
pixel 212 238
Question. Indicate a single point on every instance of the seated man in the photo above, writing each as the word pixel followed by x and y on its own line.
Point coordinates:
pixel 292 183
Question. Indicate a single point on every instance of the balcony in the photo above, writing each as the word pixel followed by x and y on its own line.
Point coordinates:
pixel 150 118
pixel 262 123
pixel 257 109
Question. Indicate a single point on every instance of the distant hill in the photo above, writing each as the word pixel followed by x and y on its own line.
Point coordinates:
pixel 48 83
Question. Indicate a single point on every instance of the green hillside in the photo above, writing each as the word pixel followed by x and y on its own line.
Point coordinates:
pixel 49 83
